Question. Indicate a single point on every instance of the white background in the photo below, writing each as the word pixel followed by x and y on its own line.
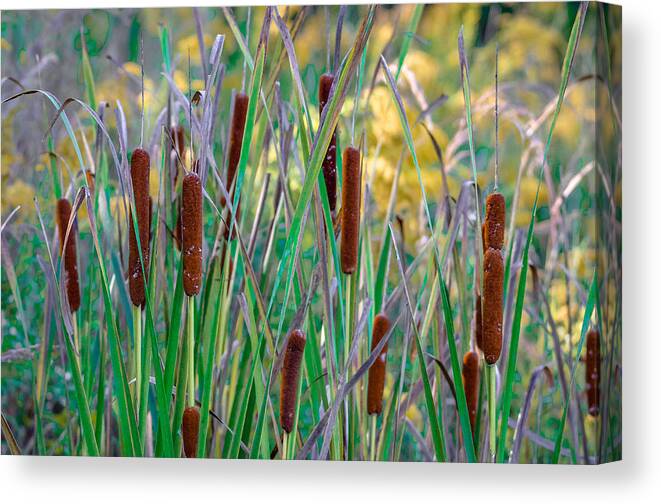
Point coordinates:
pixel 636 479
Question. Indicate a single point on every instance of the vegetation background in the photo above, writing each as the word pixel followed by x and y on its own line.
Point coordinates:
pixel 45 50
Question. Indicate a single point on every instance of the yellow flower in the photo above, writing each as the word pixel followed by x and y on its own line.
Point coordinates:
pixel 190 43
pixel 19 193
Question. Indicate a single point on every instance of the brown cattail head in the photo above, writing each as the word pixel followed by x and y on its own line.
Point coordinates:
pixel 178 139
pixel 191 233
pixel 236 140
pixel 291 371
pixel 592 371
pixel 329 165
pixel 350 209
pixel 470 373
pixel 495 221
pixel 68 253
pixel 484 237
pixel 190 429
pixel 140 183
pixel 492 306
pixel 377 373
pixel 478 323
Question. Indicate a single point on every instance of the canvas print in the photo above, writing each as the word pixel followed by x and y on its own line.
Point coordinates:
pixel 381 233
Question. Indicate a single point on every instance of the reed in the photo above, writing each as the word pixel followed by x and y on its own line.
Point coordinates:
pixel 494 221
pixel 178 142
pixel 140 184
pixel 351 190
pixel 289 383
pixel 492 306
pixel 237 130
pixel 190 429
pixel 329 165
pixel 470 373
pixel 593 371
pixel 191 233
pixel 68 254
pixel 377 372
pixel 493 237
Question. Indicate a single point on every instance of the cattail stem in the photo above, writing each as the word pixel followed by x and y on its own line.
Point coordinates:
pixel 285 444
pixel 137 352
pixel 373 437
pixel 492 410
pixel 76 337
pixel 190 338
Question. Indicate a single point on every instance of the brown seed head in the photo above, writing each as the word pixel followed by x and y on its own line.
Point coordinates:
pixel 592 371
pixel 478 323
pixel 178 139
pixel 191 233
pixel 291 371
pixel 377 372
pixel 190 429
pixel 68 253
pixel 350 209
pixel 140 183
pixel 236 140
pixel 492 306
pixel 495 221
pixel 470 373
pixel 329 165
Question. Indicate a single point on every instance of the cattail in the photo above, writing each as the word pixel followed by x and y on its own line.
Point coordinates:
pixel 377 373
pixel 329 165
pixel 68 253
pixel 178 139
pixel 236 140
pixel 492 306
pixel 494 233
pixel 592 371
pixel 350 209
pixel 140 183
pixel 190 429
pixel 291 370
pixel 191 231
pixel 470 373
pixel 484 238
pixel 478 323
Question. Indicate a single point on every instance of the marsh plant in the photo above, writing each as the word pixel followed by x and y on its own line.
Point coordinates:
pixel 381 233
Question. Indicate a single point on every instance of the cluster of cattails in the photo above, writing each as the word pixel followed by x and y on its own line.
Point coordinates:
pixel 470 373
pixel 140 184
pixel 191 231
pixel 351 194
pixel 592 371
pixel 291 372
pixel 68 253
pixel 329 165
pixel 377 373
pixel 492 298
pixel 190 430
pixel 237 130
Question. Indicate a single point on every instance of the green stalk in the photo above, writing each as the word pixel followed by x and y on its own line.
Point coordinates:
pixel 137 353
pixel 190 338
pixel 373 438
pixel 491 378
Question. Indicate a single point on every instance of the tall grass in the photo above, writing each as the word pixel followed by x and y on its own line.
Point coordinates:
pixel 190 272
